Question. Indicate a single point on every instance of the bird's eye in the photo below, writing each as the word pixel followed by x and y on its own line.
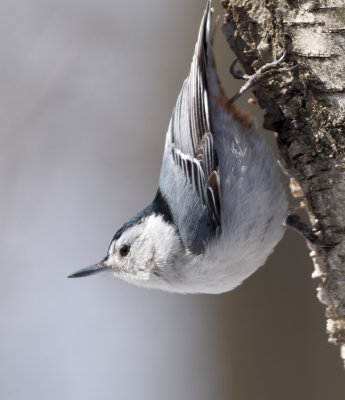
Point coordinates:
pixel 124 250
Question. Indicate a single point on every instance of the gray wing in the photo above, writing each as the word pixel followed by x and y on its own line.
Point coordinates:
pixel 189 178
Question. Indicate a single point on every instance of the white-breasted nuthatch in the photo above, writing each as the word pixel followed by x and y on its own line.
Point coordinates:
pixel 219 209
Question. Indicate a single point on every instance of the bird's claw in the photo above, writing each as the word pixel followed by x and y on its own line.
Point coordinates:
pixel 237 74
pixel 294 221
pixel 262 73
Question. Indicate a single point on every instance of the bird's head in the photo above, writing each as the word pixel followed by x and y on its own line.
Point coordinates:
pixel 143 251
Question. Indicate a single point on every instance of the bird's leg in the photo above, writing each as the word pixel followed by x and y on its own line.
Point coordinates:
pixel 295 222
pixel 261 74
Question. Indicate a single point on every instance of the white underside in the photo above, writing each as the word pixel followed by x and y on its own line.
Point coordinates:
pixel 253 207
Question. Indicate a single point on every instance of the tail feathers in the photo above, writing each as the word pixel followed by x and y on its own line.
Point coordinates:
pixel 198 81
pixel 203 79
pixel 213 83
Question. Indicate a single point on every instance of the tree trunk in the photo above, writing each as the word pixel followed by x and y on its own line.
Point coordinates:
pixel 306 108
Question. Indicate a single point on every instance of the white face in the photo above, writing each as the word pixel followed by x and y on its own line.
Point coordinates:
pixel 145 252
pixel 131 256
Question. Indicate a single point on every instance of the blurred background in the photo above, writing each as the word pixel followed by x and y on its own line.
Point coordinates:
pixel 87 90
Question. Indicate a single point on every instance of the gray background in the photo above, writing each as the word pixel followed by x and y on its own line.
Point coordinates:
pixel 87 90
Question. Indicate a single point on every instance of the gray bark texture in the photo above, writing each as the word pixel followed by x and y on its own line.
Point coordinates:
pixel 306 107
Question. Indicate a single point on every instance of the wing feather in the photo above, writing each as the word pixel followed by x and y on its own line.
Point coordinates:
pixel 191 136
pixel 190 177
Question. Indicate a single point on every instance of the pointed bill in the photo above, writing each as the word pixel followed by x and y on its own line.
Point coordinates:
pixel 93 269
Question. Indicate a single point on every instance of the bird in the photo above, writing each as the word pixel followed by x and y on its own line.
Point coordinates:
pixel 219 209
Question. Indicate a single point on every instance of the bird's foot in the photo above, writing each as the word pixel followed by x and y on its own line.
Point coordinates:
pixel 294 221
pixel 260 75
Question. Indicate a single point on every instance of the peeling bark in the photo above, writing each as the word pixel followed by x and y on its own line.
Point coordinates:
pixel 307 110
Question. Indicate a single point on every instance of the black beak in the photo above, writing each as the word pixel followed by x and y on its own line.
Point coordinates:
pixel 93 269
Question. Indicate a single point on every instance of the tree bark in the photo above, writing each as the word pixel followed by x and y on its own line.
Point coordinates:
pixel 306 107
